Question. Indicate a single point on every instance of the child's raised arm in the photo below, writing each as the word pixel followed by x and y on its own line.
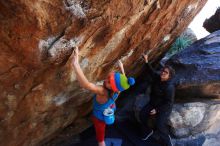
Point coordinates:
pixel 121 67
pixel 83 81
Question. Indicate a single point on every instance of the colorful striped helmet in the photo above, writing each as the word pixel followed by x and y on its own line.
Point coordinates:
pixel 120 82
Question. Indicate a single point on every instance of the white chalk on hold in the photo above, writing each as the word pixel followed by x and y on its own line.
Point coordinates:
pixel 191 7
pixel 166 38
pixel 60 45
pixel 75 8
pixel 60 99
pixel 75 41
pixel 45 44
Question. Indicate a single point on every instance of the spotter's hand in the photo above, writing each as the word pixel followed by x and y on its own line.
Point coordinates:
pixel 145 56
pixel 153 112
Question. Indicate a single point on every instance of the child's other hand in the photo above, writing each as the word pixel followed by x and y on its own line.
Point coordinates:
pixel 75 55
pixel 120 64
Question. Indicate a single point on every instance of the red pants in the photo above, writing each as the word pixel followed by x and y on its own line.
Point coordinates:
pixel 99 128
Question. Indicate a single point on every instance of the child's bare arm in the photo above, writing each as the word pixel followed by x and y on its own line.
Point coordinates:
pixel 83 81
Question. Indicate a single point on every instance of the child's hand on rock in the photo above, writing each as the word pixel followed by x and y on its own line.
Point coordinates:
pixel 75 55
pixel 120 64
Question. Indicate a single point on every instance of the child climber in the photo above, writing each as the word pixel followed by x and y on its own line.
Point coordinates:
pixel 105 96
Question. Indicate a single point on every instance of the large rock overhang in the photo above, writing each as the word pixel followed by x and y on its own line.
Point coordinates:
pixel 38 90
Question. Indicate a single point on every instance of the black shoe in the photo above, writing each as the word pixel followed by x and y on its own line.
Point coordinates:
pixel 147 134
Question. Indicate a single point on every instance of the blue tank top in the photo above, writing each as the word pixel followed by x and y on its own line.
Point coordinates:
pixel 98 108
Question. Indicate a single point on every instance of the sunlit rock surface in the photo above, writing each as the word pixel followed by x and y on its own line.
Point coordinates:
pixel 39 94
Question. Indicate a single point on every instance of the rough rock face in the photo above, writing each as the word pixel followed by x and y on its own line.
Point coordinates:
pixel 198 68
pixel 38 90
pixel 213 23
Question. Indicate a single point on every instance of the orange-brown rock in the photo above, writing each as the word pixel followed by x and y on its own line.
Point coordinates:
pixel 39 94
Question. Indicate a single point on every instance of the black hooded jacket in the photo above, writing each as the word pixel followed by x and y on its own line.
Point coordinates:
pixel 162 92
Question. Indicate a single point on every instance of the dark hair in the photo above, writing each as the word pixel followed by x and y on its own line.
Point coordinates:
pixel 171 71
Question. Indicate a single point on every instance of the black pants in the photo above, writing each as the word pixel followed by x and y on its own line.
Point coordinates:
pixel 161 122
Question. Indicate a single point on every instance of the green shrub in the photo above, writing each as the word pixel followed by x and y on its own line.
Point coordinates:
pixel 179 44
